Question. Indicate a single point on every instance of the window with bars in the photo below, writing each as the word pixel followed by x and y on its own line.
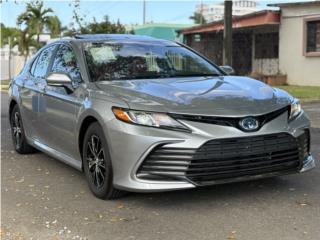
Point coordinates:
pixel 312 37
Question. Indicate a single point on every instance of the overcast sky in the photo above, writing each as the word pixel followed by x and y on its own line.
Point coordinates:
pixel 129 12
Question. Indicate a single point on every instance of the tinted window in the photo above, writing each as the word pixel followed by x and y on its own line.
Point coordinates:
pixel 34 64
pixel 41 66
pixel 65 62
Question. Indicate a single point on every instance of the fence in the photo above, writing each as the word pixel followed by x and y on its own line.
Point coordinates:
pixel 16 64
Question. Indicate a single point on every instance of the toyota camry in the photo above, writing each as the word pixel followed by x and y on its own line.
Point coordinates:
pixel 141 114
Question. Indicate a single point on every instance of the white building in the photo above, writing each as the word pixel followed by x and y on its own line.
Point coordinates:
pixel 215 11
pixel 299 42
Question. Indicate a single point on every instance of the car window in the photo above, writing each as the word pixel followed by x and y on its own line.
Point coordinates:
pixel 65 62
pixel 121 61
pixel 41 66
pixel 34 64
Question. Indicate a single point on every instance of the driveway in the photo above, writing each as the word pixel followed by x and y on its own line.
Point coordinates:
pixel 43 198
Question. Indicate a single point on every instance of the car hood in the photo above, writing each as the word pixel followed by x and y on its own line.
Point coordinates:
pixel 219 96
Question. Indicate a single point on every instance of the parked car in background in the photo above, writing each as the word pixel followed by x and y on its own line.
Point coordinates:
pixel 142 114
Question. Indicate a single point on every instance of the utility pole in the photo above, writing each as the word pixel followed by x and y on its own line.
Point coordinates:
pixel 227 33
pixel 144 12
pixel 201 12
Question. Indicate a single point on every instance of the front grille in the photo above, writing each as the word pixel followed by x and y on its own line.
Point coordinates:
pixel 223 159
pixel 230 121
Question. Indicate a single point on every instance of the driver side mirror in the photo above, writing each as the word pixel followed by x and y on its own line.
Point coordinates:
pixel 58 79
pixel 227 69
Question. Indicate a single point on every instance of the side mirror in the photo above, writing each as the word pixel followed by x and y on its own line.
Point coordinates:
pixel 58 79
pixel 227 69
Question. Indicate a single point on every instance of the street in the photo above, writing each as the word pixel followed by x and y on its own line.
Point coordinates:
pixel 43 198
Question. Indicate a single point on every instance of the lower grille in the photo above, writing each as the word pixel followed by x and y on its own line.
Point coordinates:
pixel 223 159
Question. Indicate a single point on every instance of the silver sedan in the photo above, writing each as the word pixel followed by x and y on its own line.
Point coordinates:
pixel 142 114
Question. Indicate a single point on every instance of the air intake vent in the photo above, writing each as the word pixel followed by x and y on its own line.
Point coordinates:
pixel 221 159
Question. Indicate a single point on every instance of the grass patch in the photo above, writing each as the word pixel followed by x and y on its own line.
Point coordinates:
pixel 304 93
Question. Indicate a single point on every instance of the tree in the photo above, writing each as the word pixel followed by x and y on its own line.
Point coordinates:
pixel 54 26
pixel 9 32
pixel 26 41
pixel 9 36
pixel 14 36
pixel 36 18
pixel 198 18
pixel 103 27
pixel 77 16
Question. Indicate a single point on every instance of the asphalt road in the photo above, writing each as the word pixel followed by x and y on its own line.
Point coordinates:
pixel 43 198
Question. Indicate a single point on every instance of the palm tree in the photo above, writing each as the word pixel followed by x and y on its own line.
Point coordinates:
pixel 36 18
pixel 26 41
pixel 54 26
pixel 9 35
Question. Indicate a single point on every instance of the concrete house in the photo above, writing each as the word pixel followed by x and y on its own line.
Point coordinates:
pixel 255 41
pixel 281 46
pixel 299 42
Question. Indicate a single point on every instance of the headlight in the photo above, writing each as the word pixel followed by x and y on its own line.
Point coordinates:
pixel 295 109
pixel 151 119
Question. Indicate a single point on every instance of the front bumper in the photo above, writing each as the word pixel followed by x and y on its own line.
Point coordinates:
pixel 130 145
pixel 308 164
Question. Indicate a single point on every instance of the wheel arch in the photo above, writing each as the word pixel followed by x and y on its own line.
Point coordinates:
pixel 12 104
pixel 86 122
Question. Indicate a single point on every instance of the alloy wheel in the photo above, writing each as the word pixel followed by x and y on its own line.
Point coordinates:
pixel 95 160
pixel 17 129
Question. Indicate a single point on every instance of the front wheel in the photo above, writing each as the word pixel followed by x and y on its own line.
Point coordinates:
pixel 97 164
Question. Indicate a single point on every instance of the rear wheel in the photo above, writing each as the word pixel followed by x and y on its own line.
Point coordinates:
pixel 17 132
pixel 97 164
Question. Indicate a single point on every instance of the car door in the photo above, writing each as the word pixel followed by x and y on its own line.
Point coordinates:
pixel 60 104
pixel 30 92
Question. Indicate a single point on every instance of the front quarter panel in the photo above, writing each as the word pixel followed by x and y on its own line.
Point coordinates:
pixel 97 104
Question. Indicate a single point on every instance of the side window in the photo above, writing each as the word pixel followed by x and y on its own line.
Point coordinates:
pixel 41 66
pixel 34 63
pixel 65 62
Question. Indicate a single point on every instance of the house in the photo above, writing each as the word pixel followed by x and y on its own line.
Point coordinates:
pixel 281 46
pixel 255 42
pixel 299 42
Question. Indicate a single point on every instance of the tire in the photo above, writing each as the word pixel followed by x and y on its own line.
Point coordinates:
pixel 19 139
pixel 97 164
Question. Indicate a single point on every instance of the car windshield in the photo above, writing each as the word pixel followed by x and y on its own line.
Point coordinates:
pixel 122 61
